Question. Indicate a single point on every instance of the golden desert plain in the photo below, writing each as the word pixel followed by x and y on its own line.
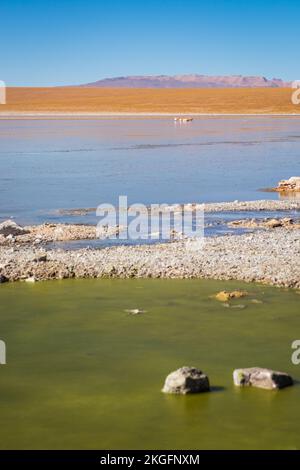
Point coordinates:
pixel 79 100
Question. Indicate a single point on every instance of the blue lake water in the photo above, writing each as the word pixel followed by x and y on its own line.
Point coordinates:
pixel 50 164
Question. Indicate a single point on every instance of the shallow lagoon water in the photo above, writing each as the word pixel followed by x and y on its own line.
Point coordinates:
pixel 82 373
pixel 51 164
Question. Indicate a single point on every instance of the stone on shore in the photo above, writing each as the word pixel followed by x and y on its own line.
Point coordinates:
pixel 273 223
pixel 3 279
pixel 10 228
pixel 292 184
pixel 186 380
pixel 30 279
pixel 40 257
pixel 261 378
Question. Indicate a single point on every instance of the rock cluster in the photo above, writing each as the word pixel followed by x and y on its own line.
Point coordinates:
pixel 191 380
pixel 290 185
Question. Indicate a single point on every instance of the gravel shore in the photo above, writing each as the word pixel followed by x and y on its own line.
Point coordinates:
pixel 47 233
pixel 235 206
pixel 261 205
pixel 271 257
pixel 267 223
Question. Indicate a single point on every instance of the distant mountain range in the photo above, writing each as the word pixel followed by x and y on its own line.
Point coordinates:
pixel 189 81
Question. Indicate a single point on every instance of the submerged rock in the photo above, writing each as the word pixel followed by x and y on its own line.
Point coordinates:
pixel 186 380
pixel 227 305
pixel 135 311
pixel 224 296
pixel 261 378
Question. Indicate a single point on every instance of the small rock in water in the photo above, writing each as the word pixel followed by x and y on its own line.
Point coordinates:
pixel 256 301
pixel 224 296
pixel 135 311
pixel 186 380
pixel 261 378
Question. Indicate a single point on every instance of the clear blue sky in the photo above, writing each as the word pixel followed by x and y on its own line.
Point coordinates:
pixel 70 42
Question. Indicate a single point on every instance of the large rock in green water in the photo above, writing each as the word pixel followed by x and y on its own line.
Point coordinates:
pixel 186 380
pixel 261 378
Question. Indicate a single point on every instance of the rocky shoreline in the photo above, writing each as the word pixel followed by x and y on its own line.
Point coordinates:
pixel 211 207
pixel 267 223
pixel 271 257
pixel 12 234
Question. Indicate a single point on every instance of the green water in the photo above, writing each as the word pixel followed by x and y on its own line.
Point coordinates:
pixel 81 373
